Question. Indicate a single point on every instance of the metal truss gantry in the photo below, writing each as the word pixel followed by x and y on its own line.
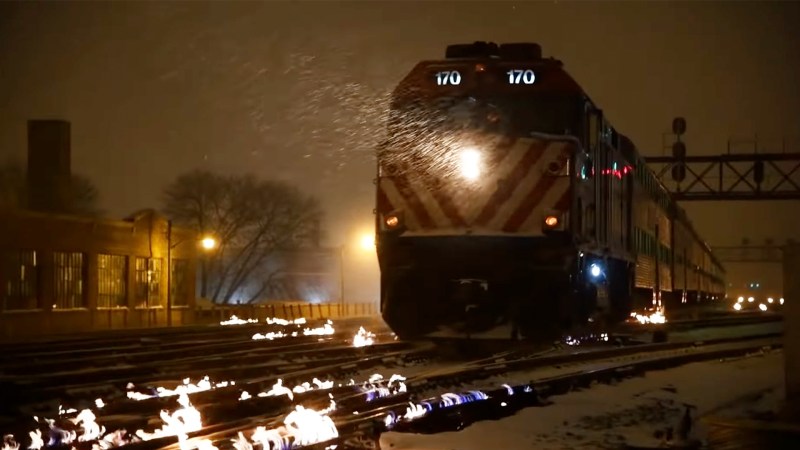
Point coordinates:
pixel 752 176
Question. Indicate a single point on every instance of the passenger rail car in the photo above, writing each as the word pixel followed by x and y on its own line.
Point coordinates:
pixel 506 201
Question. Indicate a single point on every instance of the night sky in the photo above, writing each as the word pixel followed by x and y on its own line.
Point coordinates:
pixel 297 91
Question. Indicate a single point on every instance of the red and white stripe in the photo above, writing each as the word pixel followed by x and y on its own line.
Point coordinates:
pixel 514 193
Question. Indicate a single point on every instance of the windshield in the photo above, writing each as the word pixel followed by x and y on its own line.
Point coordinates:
pixel 515 114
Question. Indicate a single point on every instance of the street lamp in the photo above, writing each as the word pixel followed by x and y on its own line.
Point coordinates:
pixel 366 243
pixel 208 243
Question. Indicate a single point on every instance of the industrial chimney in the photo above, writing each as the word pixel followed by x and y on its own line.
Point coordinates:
pixel 49 171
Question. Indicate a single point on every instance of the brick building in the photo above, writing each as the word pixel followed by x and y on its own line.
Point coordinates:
pixel 63 273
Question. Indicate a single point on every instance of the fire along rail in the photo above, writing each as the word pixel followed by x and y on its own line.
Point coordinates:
pixel 374 410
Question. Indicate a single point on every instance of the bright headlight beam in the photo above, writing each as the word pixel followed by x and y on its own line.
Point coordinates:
pixel 470 164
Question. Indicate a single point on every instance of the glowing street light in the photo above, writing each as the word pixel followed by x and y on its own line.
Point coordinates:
pixel 368 242
pixel 208 243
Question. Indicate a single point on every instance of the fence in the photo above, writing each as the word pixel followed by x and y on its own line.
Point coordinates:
pixel 287 311
pixel 21 325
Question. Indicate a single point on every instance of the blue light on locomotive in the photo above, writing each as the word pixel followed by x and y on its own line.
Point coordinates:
pixel 595 271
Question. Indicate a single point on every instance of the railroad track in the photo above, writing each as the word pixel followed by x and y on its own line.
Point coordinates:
pixel 259 397
pixel 414 406
pixel 412 411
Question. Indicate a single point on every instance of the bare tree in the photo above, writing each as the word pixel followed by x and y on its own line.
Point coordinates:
pixel 253 220
pixel 83 196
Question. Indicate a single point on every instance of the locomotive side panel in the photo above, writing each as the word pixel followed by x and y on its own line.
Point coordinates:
pixel 645 263
pixel 664 248
pixel 680 245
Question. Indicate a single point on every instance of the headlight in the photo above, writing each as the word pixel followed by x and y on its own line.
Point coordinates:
pixel 392 221
pixel 469 164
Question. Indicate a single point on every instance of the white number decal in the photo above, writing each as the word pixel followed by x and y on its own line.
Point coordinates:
pixel 448 77
pixel 518 76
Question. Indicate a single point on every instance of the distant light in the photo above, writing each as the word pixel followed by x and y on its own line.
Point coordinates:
pixel 737 306
pixel 740 300
pixel 762 306
pixel 368 242
pixel 208 243
pixel 781 300
pixel 770 300
pixel 751 299
pixel 594 270
pixel 551 221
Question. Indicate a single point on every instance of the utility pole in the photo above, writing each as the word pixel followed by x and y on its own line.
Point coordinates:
pixel 169 273
pixel 341 274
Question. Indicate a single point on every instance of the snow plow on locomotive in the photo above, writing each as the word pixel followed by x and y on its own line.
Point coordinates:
pixel 508 206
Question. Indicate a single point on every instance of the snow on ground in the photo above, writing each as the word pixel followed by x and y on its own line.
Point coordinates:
pixel 630 412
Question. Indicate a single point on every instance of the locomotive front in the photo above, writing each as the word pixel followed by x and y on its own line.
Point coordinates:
pixel 475 192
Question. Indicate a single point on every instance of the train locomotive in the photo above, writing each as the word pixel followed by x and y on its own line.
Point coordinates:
pixel 507 205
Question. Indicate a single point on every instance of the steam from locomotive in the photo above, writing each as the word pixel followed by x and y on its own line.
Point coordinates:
pixel 506 200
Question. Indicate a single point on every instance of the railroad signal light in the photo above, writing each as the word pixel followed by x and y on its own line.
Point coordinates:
pixel 679 172
pixel 679 125
pixel 679 153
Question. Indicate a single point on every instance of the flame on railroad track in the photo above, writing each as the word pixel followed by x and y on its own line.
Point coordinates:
pixel 326 329
pixel 363 338
pixel 205 384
